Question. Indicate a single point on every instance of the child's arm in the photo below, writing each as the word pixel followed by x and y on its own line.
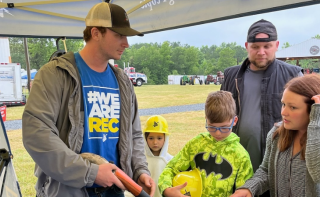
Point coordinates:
pixel 245 171
pixel 180 162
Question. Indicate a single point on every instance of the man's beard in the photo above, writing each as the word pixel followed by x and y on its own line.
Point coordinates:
pixel 261 66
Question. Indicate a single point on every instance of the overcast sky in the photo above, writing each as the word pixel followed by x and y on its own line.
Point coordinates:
pixel 293 25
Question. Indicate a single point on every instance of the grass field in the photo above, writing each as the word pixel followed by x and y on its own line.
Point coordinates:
pixel 14 113
pixel 154 96
pixel 182 126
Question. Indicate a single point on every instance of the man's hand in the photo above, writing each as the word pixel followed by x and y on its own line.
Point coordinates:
pixel 148 185
pixel 242 193
pixel 174 191
pixel 106 177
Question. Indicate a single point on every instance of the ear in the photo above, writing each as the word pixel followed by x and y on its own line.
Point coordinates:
pixel 235 121
pixel 246 45
pixel 95 34
pixel 277 44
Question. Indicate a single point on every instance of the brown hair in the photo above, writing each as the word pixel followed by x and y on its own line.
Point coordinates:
pixel 220 107
pixel 146 134
pixel 87 32
pixel 307 86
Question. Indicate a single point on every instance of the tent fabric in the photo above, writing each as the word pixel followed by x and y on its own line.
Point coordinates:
pixel 9 185
pixel 305 50
pixel 32 75
pixel 66 18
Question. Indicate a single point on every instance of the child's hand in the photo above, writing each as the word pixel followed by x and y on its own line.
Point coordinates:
pixel 242 193
pixel 174 191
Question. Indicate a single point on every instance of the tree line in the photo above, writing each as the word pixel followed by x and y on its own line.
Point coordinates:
pixel 156 60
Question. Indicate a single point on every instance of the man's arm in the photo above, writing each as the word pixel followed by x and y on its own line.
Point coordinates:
pixel 227 79
pixel 141 172
pixel 41 135
pixel 139 161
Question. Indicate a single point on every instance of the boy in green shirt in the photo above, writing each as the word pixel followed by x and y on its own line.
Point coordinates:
pixel 222 161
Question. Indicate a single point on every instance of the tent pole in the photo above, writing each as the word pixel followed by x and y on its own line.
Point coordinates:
pixel 26 52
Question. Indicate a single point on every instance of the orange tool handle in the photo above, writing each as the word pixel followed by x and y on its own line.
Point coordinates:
pixel 132 186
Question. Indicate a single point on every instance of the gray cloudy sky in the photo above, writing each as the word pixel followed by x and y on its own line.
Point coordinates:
pixel 293 25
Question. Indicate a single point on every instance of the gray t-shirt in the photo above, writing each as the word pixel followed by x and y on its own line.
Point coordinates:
pixel 250 117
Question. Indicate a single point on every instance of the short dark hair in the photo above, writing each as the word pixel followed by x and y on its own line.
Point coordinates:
pixel 87 32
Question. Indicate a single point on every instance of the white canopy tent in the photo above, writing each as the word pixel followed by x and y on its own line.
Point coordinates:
pixel 56 18
pixel 65 18
pixel 309 49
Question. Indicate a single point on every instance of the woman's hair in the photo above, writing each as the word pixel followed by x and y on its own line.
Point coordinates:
pixel 307 86
pixel 87 32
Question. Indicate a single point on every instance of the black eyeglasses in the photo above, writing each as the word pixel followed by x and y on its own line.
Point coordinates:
pixel 221 129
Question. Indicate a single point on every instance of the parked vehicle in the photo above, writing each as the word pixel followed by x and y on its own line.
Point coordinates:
pixel 190 79
pixel 216 79
pixel 137 79
pixel 11 87
pixel 311 70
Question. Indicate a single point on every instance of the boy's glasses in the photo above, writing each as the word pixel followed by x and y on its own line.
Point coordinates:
pixel 221 129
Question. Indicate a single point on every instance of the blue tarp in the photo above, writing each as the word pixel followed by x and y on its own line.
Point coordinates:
pixel 32 76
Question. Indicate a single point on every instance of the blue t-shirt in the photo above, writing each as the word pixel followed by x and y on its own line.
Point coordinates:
pixel 101 98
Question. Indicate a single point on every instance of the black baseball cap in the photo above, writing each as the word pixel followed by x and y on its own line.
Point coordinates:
pixel 111 16
pixel 262 26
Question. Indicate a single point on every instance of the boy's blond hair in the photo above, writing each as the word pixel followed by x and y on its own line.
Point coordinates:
pixel 220 107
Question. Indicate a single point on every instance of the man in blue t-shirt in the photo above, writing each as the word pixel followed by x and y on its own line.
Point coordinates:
pixel 80 103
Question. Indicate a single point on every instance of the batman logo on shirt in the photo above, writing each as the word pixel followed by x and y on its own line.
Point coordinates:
pixel 210 166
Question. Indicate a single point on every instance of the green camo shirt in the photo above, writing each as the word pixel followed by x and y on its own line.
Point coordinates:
pixel 222 164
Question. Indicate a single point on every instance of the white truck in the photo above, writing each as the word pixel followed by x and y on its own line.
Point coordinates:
pixel 137 79
pixel 10 85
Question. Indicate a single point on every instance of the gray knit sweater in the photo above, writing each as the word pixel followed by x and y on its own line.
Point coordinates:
pixel 265 177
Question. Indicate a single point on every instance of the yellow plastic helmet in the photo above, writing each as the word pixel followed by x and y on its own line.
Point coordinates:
pixel 194 186
pixel 156 124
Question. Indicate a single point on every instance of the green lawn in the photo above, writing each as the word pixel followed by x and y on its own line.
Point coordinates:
pixel 14 113
pixel 153 96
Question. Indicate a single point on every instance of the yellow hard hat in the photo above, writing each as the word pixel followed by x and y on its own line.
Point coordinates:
pixel 156 124
pixel 194 186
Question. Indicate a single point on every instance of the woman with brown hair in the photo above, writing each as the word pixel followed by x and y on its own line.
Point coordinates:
pixel 291 165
